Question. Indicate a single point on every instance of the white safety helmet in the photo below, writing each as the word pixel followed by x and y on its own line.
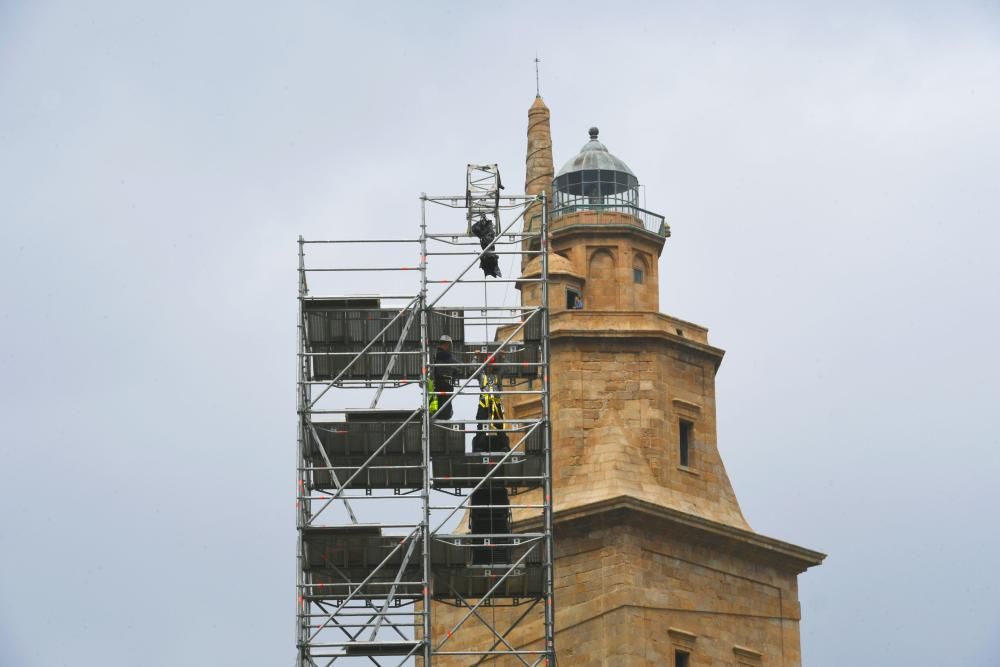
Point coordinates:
pixel 445 338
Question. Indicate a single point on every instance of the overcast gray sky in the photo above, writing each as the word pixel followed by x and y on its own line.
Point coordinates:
pixel 829 171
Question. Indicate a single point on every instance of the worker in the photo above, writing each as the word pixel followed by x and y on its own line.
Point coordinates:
pixel 444 379
pixel 490 409
pixel 490 402
pixel 577 302
pixel 489 262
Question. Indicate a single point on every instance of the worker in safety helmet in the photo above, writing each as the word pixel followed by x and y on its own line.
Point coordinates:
pixel 444 379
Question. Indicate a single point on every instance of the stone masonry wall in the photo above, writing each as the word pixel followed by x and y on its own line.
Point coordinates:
pixel 631 589
pixel 616 411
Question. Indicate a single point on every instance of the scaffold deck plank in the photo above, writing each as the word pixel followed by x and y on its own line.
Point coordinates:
pixel 359 561
pixel 381 648
pixel 342 563
pixel 464 471
pixel 354 447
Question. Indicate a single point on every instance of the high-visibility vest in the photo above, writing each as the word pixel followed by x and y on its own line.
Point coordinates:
pixel 432 403
pixel 489 400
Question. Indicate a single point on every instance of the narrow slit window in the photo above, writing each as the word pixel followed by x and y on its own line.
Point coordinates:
pixel 638 276
pixel 682 658
pixel 686 441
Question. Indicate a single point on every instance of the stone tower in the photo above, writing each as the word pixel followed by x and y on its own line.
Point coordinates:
pixel 655 563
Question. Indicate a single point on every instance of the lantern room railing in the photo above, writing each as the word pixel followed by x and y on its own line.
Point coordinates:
pixel 651 222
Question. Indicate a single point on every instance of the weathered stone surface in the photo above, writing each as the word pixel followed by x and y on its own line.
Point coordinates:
pixel 538 167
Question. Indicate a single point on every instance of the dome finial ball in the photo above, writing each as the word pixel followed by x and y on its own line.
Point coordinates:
pixel 593 133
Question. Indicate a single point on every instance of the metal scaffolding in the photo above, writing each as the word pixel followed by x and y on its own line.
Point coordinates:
pixel 385 493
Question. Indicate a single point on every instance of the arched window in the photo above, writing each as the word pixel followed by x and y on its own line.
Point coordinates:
pixel 640 269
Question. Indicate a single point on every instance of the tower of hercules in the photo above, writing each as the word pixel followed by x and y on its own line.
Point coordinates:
pixel 655 563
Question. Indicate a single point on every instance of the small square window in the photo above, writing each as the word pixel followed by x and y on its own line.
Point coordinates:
pixel 686 441
pixel 637 276
pixel 681 658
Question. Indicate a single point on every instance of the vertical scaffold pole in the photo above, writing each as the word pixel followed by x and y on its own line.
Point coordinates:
pixel 550 649
pixel 426 438
pixel 302 618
